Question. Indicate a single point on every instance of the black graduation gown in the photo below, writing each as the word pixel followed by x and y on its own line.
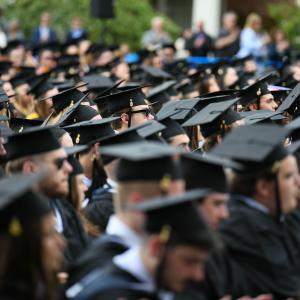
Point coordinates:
pixel 113 283
pixel 77 239
pixel 264 252
pixel 99 254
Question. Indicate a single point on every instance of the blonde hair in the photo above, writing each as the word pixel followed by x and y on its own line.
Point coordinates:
pixel 251 19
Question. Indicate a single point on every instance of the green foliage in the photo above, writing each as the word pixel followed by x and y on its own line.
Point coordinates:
pixel 287 17
pixel 132 18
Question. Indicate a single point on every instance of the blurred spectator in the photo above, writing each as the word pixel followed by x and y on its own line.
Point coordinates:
pixel 76 31
pixel 156 37
pixel 180 43
pixel 253 39
pixel 280 46
pixel 200 43
pixel 3 22
pixel 44 33
pixel 14 31
pixel 3 39
pixel 227 43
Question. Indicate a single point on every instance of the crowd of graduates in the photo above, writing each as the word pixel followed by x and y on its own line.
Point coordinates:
pixel 147 175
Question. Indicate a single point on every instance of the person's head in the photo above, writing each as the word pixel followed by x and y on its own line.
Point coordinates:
pixel 230 19
pixel 47 59
pixel 254 22
pixel 17 56
pixel 14 25
pixel 266 102
pixel 175 252
pixel 262 187
pixel 31 249
pixel 228 78
pixel 45 19
pixel 157 24
pixel 121 71
pixel 180 140
pixel 76 23
pixel 209 85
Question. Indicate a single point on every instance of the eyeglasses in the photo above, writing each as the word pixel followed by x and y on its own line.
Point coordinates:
pixel 146 111
pixel 59 162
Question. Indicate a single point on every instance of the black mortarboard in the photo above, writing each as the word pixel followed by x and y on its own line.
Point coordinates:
pixel 19 124
pixel 123 100
pixel 3 95
pixel 294 126
pixel 172 129
pixel 255 146
pixel 291 102
pixel 254 91
pixel 98 83
pixel 214 118
pixel 164 215
pixel 206 172
pixel 186 87
pixel 5 66
pixel 158 94
pixel 20 79
pixel 151 128
pixel 261 116
pixel 155 76
pixel 30 142
pixel 143 160
pixel 19 204
pixel 40 86
pixel 88 131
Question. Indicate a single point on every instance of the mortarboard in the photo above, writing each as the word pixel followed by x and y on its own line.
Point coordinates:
pixel 25 143
pixel 261 116
pixel 164 216
pixel 144 160
pixel 155 76
pixel 186 87
pixel 40 86
pixel 290 104
pixel 20 204
pixel 88 131
pixel 19 124
pixel 214 118
pixel 151 128
pixel 98 83
pixel 20 78
pixel 254 146
pixel 5 131
pixel 11 45
pixel 172 129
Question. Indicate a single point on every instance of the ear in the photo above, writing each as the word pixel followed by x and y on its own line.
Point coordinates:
pixel 263 188
pixel 135 198
pixel 155 246
pixel 124 118
pixel 253 106
pixel 29 167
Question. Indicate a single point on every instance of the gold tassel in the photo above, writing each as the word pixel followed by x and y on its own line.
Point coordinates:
pixel 165 233
pixel 15 227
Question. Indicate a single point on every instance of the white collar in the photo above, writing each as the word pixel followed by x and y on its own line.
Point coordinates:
pixel 113 184
pixel 87 182
pixel 116 227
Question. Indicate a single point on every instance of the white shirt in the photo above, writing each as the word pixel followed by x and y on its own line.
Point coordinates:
pixel 131 262
pixel 116 227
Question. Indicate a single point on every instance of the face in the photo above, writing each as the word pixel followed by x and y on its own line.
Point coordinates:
pixel 289 183
pixel 52 245
pixel 17 56
pixel 257 25
pixel 122 71
pixel 66 140
pixel 268 102
pixel 81 188
pixel 230 77
pixel 184 264
pixel 47 59
pixel 180 140
pixel 229 21
pixel 213 85
pixel 141 115
pixel 214 208
pixel 56 183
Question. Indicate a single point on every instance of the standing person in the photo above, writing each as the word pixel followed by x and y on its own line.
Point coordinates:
pixel 253 39
pixel 227 43
pixel 31 249
pixel 76 32
pixel 156 36
pixel 14 31
pixel 44 33
pixel 200 43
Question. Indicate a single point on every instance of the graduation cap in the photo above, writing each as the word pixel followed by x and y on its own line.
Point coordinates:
pixel 21 78
pixel 206 171
pixel 88 131
pixel 30 142
pixel 40 86
pixel 19 124
pixel 20 204
pixel 5 131
pixel 164 217
pixel 214 118
pixel 150 129
pixel 256 147
pixel 261 116
pixel 127 99
pixel 51 46
pixel 290 104
pixel 155 76
pixel 173 128
pixel 98 83
pixel 294 126
pixel 254 91
pixel 144 160
pixel 186 87
pixel 5 66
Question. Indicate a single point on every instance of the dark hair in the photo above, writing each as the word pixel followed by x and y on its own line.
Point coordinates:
pixel 21 267
pixel 244 184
